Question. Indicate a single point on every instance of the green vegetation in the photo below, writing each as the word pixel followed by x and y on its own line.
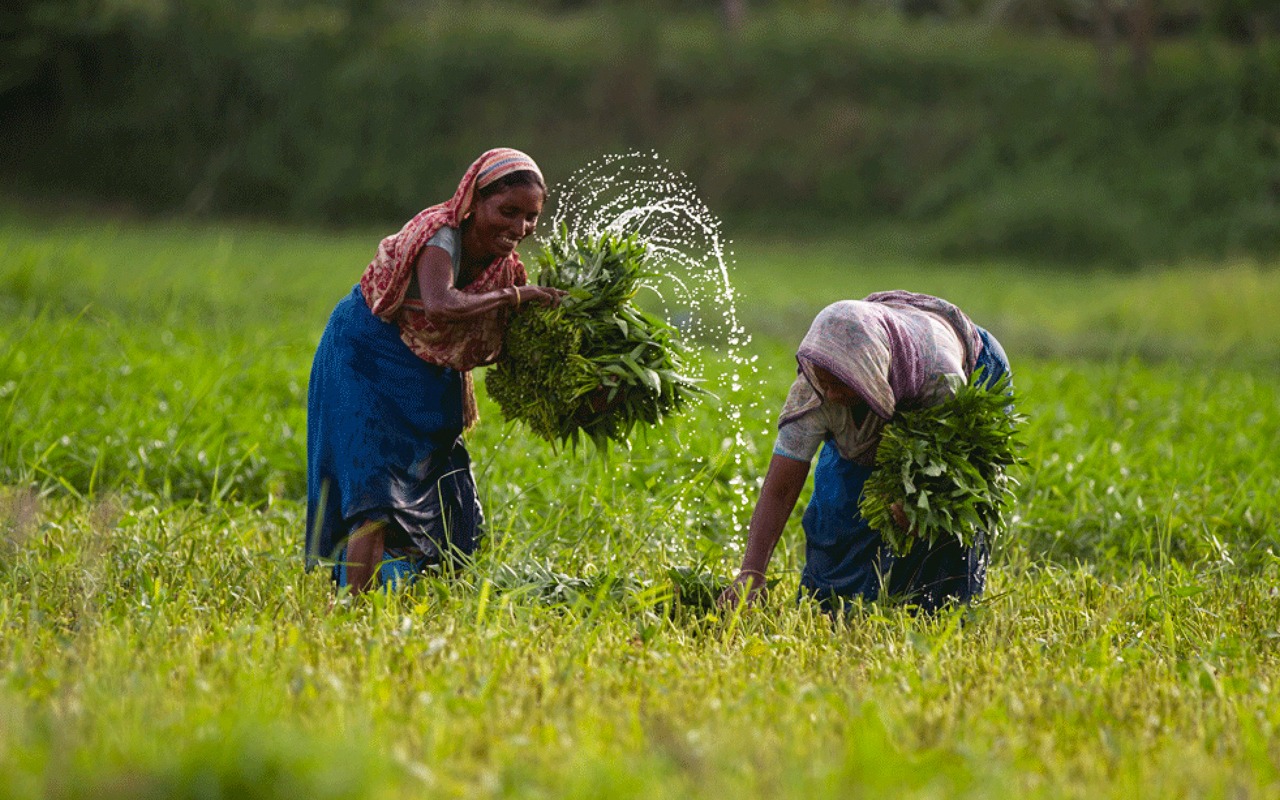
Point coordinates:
pixel 596 365
pixel 947 468
pixel 980 140
pixel 161 639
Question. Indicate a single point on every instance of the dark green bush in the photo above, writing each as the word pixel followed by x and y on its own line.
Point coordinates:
pixel 1051 218
pixel 348 112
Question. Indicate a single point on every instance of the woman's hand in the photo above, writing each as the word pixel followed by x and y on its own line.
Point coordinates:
pixel 900 518
pixel 540 295
pixel 750 585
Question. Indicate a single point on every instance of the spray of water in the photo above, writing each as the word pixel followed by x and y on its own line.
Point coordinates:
pixel 639 194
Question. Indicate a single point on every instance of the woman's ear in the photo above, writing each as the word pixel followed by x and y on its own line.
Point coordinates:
pixel 471 208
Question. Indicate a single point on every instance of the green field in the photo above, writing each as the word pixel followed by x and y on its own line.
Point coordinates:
pixel 161 639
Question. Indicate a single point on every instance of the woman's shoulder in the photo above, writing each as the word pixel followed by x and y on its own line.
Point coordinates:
pixel 446 238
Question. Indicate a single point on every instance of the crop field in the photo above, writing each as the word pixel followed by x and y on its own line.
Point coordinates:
pixel 160 638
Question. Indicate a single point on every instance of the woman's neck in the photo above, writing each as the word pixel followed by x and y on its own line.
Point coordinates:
pixel 469 265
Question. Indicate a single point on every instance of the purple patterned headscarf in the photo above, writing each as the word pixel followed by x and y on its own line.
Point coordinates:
pixel 884 349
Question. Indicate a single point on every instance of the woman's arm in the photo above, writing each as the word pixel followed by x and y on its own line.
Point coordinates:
pixel 782 485
pixel 441 301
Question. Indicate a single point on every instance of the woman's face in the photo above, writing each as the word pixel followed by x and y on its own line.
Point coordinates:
pixel 501 221
pixel 834 391
pixel 830 387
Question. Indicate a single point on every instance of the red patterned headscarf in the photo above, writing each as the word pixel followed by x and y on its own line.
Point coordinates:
pixel 385 281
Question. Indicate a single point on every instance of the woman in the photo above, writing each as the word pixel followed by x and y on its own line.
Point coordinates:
pixel 861 361
pixel 389 483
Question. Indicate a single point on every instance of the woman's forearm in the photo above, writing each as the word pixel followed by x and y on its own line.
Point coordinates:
pixel 452 305
pixel 443 302
pixel 782 485
pixel 763 535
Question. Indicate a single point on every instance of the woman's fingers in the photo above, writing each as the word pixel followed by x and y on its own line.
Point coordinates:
pixel 729 597
pixel 542 295
pixel 750 585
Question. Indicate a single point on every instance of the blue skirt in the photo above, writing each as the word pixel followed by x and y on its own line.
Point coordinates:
pixel 846 558
pixel 384 443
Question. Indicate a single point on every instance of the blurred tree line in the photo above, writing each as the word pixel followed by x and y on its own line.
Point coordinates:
pixel 1070 130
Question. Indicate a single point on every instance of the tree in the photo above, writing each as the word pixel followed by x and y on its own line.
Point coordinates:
pixel 735 14
pixel 1105 38
pixel 35 34
pixel 1142 22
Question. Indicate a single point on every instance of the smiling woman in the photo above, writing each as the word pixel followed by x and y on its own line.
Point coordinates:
pixel 389 484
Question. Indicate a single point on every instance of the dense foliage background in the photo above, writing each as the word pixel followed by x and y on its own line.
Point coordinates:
pixel 1056 130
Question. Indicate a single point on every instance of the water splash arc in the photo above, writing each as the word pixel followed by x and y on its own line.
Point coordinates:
pixel 689 264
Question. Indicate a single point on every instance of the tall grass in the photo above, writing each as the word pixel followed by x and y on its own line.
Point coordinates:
pixel 161 639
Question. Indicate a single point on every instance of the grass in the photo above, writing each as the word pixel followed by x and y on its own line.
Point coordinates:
pixel 161 640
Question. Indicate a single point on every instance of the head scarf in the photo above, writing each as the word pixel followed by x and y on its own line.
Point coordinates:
pixel 886 348
pixel 386 280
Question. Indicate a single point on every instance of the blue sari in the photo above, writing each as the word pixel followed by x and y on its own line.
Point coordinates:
pixel 846 558
pixel 384 444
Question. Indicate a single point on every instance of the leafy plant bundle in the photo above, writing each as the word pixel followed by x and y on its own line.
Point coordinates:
pixel 596 365
pixel 948 467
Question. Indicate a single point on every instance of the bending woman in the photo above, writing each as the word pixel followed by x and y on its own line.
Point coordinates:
pixel 861 361
pixel 389 483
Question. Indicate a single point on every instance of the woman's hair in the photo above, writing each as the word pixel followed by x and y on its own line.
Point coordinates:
pixel 524 177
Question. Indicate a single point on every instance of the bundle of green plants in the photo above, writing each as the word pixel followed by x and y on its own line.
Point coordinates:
pixel 596 365
pixel 540 582
pixel 947 468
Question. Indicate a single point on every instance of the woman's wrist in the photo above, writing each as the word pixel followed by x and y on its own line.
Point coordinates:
pixel 515 297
